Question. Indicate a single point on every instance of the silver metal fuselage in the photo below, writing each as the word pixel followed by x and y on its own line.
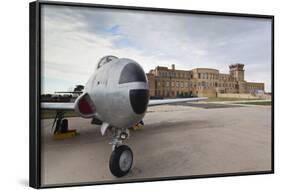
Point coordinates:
pixel 112 99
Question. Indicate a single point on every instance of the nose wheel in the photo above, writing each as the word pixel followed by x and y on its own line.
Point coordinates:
pixel 121 161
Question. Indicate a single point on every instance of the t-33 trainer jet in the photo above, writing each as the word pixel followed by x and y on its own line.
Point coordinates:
pixel 116 97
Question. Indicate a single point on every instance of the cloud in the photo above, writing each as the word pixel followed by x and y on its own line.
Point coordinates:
pixel 74 39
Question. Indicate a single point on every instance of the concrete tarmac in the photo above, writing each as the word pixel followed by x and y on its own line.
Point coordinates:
pixel 175 141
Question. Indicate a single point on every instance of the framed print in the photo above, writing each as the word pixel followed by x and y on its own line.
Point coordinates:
pixel 124 94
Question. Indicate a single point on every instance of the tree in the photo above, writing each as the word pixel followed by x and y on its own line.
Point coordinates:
pixel 78 88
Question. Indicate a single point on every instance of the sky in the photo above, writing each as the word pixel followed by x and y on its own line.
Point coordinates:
pixel 75 38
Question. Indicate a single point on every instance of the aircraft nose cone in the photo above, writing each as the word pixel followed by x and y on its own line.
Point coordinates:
pixel 139 100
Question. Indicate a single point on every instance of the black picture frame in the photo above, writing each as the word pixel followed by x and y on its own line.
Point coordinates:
pixel 35 68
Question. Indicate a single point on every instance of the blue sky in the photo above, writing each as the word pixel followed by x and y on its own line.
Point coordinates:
pixel 74 39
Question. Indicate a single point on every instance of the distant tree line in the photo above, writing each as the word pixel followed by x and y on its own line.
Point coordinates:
pixel 64 97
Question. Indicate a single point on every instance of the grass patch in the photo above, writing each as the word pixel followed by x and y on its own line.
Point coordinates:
pixel 47 114
pixel 221 99
pixel 256 103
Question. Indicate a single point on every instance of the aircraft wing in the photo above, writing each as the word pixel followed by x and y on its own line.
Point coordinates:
pixel 70 105
pixel 57 105
pixel 69 92
pixel 176 100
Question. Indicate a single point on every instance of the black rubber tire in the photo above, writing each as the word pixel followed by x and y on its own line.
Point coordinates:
pixel 114 161
pixel 64 126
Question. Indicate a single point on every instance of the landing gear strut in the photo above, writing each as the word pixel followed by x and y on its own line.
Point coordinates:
pixel 121 158
pixel 60 124
pixel 61 130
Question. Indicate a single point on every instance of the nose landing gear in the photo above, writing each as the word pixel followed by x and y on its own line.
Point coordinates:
pixel 121 158
pixel 121 161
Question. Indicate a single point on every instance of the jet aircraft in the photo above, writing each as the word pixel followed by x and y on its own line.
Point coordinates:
pixel 115 97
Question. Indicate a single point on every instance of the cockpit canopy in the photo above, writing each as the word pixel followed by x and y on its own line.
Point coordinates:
pixel 104 60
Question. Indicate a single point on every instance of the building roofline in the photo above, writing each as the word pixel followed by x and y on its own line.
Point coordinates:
pixel 206 69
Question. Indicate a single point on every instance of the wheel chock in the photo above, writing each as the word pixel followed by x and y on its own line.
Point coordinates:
pixel 65 135
pixel 137 127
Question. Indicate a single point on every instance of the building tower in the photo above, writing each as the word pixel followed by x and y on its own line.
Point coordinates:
pixel 237 71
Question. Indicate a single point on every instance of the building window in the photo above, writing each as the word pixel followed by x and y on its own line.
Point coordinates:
pixel 204 84
pixel 173 84
pixel 181 84
pixel 199 75
pixel 167 83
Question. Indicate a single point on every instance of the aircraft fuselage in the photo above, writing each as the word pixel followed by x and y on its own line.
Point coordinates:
pixel 117 93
